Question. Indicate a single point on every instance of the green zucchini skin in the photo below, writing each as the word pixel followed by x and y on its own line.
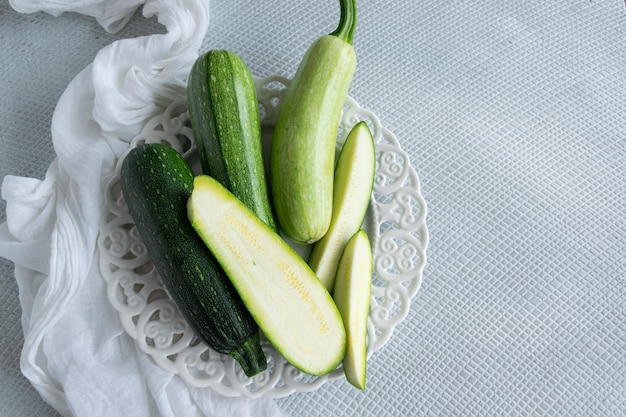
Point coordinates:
pixel 156 184
pixel 224 114
pixel 302 152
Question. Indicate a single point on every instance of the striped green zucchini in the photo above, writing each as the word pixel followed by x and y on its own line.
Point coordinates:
pixel 224 115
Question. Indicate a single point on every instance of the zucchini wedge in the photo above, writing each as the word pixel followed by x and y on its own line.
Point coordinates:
pixel 352 296
pixel 289 303
pixel 354 180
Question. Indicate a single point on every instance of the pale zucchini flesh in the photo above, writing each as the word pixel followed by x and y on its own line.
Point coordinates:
pixel 290 305
pixel 352 297
pixel 353 182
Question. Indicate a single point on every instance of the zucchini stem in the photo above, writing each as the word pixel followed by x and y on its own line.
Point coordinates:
pixel 250 356
pixel 347 21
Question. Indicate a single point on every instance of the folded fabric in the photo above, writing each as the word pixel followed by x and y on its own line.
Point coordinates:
pixel 111 15
pixel 76 353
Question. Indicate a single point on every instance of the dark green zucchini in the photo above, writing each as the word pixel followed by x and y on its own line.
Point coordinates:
pixel 156 184
pixel 224 115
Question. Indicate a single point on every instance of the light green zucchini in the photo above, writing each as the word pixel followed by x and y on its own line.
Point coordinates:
pixel 352 296
pixel 302 151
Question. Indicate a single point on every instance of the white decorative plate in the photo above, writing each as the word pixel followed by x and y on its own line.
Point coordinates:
pixel 394 221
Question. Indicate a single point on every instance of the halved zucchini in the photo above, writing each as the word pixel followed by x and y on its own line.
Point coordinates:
pixel 287 300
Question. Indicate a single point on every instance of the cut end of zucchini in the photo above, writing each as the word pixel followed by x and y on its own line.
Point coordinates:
pixel 352 297
pixel 250 356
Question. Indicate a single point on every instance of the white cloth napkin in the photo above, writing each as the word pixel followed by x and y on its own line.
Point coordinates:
pixel 76 353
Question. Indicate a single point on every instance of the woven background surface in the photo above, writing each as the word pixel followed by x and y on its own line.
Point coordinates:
pixel 513 116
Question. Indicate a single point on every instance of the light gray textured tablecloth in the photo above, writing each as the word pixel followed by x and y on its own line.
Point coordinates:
pixel 513 114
